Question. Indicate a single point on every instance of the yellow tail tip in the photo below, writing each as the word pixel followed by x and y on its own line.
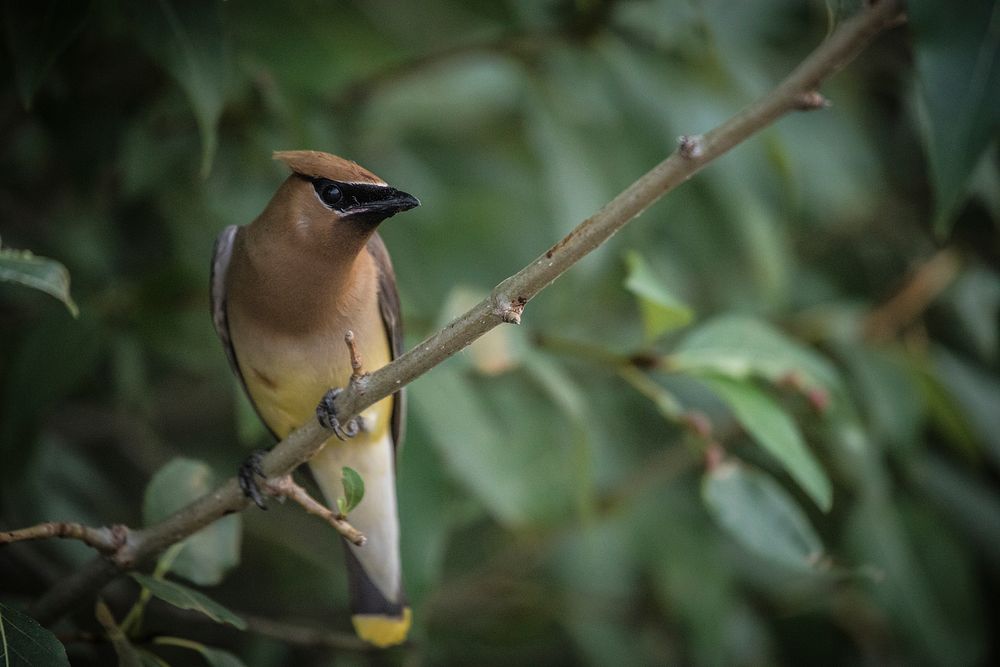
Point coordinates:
pixel 381 630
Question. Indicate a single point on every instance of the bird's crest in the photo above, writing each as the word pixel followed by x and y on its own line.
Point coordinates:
pixel 316 164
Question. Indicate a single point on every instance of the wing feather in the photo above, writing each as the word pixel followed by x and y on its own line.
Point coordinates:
pixel 221 256
pixel 388 301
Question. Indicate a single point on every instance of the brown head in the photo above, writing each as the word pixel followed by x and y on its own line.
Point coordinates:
pixel 331 204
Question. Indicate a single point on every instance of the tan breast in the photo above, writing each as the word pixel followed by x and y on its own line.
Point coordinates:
pixel 288 333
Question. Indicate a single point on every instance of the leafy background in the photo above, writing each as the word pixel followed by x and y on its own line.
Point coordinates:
pixel 760 426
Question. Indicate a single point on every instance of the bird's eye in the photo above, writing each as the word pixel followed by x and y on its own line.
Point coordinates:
pixel 329 193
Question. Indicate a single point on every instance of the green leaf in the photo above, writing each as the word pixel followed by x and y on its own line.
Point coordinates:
pixel 977 394
pixel 933 631
pixel 187 598
pixel 216 657
pixel 187 39
pixel 886 393
pixel 25 643
pixel 768 423
pixel 151 659
pixel 970 504
pixel 127 654
pixel 567 396
pixel 213 550
pixel 975 298
pixel 753 509
pixel 36 33
pixel 354 490
pixel 50 361
pixel 739 347
pixel 500 463
pixel 48 275
pixel 958 63
pixel 661 310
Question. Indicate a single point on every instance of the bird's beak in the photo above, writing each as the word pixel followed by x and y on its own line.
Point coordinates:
pixel 388 203
pixel 399 201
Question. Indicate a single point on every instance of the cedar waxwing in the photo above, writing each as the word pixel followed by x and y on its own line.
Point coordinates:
pixel 285 289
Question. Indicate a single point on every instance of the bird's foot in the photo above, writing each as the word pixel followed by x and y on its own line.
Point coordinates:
pixel 249 471
pixel 326 413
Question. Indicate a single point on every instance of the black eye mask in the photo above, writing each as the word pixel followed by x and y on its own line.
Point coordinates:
pixel 366 201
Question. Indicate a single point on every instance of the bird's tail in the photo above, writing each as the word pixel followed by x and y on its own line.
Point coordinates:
pixel 379 610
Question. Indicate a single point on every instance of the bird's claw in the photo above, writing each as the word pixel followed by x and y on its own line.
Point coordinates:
pixel 326 413
pixel 250 469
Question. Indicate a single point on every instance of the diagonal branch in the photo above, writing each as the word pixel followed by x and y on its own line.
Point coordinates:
pixel 505 304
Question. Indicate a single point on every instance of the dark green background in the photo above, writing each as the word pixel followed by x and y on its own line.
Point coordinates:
pixel 551 515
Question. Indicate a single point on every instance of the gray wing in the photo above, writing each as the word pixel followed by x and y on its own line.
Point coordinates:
pixel 221 255
pixel 388 302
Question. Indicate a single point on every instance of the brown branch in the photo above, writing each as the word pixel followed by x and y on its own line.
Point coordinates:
pixel 920 289
pixel 285 487
pixel 504 304
pixel 106 539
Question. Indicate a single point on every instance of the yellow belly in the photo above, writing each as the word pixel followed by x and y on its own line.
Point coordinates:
pixel 286 379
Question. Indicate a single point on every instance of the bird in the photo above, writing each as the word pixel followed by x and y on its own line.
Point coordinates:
pixel 285 289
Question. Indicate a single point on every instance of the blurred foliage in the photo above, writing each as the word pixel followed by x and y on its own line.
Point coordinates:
pixel 769 436
pixel 25 268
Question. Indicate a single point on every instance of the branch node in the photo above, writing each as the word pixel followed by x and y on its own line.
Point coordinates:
pixel 691 146
pixel 124 558
pixel 812 100
pixel 119 535
pixel 510 311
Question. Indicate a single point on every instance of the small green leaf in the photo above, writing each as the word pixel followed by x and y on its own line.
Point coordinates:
pixel 755 511
pixel 354 490
pixel 776 432
pixel 958 63
pixel 739 347
pixel 127 654
pixel 24 642
pixel 661 310
pixel 48 275
pixel 211 552
pixel 187 598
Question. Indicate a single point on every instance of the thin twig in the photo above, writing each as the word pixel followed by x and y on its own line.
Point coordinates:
pixel 286 487
pixel 106 539
pixel 352 348
pixel 504 304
